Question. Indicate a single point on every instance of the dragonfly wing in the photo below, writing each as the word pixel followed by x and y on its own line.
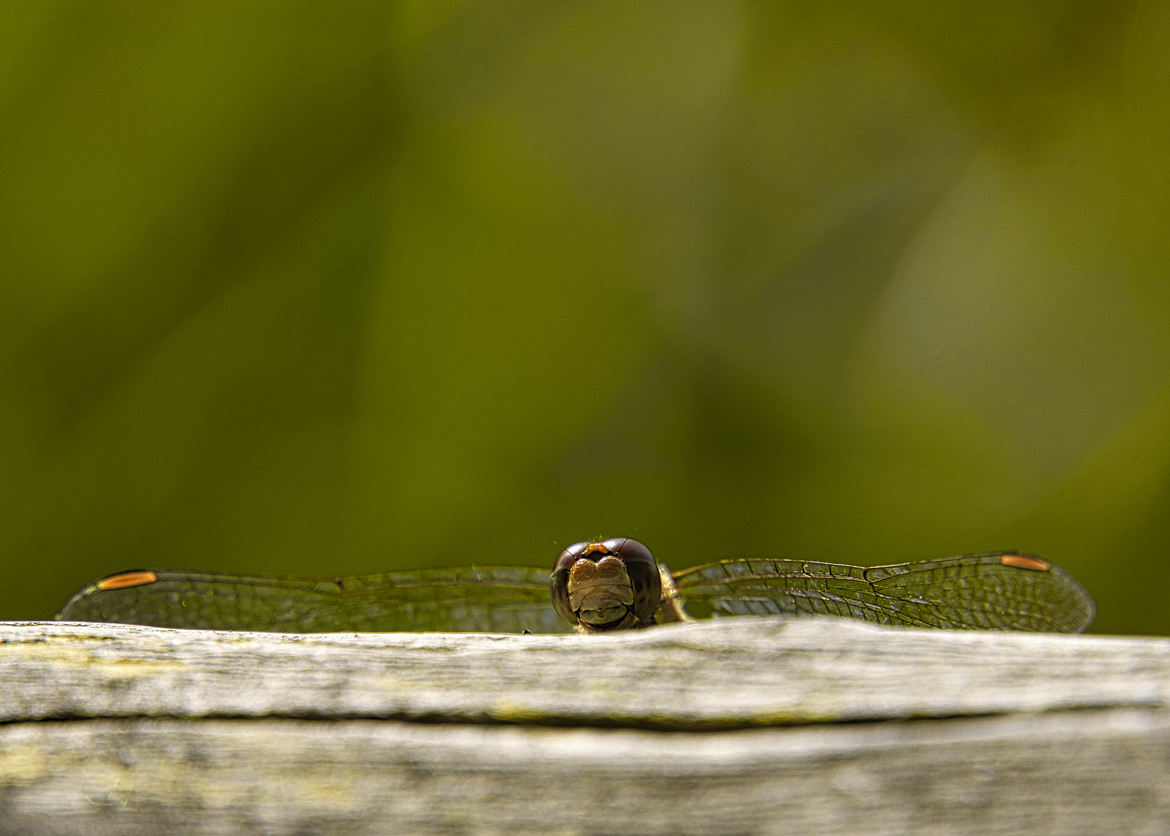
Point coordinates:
pixel 997 591
pixel 471 599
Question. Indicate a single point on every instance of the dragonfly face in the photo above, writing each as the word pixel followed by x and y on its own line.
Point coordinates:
pixel 597 587
pixel 612 585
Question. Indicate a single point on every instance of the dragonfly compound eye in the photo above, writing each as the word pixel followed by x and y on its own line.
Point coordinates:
pixel 606 586
pixel 643 571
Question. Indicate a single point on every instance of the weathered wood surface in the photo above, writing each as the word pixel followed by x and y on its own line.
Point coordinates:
pixel 740 725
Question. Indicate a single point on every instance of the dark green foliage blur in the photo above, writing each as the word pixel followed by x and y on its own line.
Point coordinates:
pixel 326 288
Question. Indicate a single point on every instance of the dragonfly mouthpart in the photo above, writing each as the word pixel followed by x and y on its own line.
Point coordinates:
pixel 600 593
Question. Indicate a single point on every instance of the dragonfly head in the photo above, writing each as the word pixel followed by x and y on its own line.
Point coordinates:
pixel 611 585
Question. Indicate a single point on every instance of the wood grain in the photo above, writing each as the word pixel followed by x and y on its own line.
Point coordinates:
pixel 740 725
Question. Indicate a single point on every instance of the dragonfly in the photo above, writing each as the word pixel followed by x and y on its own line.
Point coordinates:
pixel 596 587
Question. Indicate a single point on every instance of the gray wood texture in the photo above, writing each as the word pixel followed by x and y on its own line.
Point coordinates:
pixel 734 726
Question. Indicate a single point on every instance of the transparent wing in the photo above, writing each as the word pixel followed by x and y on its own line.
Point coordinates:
pixel 997 591
pixel 467 599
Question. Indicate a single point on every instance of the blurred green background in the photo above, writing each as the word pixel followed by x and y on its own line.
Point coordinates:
pixel 341 287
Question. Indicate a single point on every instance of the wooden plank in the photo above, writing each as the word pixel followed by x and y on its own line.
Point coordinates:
pixel 713 674
pixel 812 725
pixel 1097 772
